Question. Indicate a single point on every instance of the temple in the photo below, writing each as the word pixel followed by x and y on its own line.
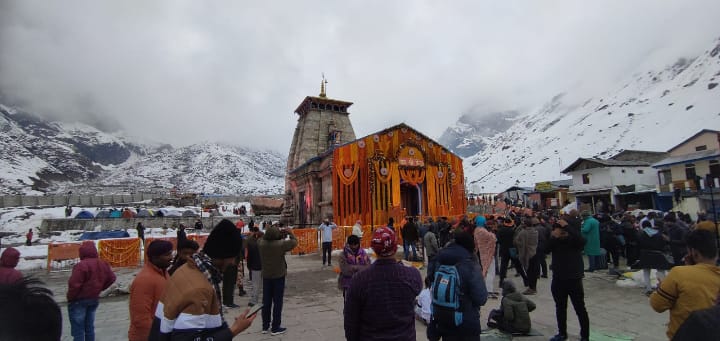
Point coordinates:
pixel 395 172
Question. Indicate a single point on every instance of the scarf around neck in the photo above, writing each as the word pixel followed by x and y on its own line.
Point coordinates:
pixel 213 275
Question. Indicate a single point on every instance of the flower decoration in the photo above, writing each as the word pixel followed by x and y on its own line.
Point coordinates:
pixel 411 152
pixel 384 171
pixel 404 130
pixel 440 174
pixel 348 172
pixel 376 138
pixel 361 144
pixel 390 134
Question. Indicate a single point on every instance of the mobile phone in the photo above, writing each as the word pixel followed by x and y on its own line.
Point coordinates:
pixel 254 310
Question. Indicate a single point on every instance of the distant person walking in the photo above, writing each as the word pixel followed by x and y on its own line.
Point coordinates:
pixel 254 264
pixel 141 232
pixel 273 246
pixel 326 236
pixel 29 237
pixel 410 236
pixel 89 277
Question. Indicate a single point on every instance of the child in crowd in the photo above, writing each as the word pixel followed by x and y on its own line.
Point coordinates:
pixel 423 303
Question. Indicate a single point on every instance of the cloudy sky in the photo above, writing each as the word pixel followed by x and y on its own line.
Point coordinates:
pixel 233 71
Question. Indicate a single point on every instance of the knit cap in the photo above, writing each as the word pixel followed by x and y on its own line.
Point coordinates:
pixel 158 248
pixel 384 242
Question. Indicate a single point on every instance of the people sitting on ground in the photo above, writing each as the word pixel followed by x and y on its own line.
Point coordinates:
pixel 423 303
pixel 514 313
pixel 185 250
pixel 352 260
pixel 8 261
pixel 29 311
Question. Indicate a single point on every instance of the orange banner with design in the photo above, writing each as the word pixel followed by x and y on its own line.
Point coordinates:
pixel 307 241
pixel 61 253
pixel 120 252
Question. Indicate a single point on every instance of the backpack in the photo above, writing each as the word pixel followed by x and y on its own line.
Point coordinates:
pixel 446 293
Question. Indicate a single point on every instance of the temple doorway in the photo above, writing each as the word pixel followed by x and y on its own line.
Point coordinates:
pixel 410 199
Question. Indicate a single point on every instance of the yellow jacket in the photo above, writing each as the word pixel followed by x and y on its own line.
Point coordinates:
pixel 686 289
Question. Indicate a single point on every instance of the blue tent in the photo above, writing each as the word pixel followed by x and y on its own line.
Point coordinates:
pixel 104 235
pixel 84 215
pixel 116 214
pixel 102 214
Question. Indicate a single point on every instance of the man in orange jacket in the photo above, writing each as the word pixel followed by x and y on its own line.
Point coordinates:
pixel 147 288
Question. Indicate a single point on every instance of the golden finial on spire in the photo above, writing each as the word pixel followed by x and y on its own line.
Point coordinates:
pixel 322 86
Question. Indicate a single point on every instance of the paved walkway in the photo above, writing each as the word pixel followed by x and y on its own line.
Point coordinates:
pixel 313 309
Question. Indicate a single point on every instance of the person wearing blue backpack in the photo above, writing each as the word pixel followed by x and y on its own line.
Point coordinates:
pixel 458 292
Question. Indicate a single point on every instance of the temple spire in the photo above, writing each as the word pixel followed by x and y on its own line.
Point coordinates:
pixel 322 86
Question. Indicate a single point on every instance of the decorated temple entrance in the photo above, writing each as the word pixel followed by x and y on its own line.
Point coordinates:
pixel 410 199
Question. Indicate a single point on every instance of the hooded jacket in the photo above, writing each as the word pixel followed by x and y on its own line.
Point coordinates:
pixel 516 310
pixel 272 252
pixel 474 293
pixel 145 292
pixel 8 261
pixel 89 277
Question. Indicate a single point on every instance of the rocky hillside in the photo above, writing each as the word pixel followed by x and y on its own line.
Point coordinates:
pixel 40 156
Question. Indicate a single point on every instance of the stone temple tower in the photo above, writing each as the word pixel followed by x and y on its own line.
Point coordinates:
pixel 323 124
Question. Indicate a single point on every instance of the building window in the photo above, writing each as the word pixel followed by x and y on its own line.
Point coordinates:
pixel 322 106
pixel 690 171
pixel 314 105
pixel 714 169
pixel 586 178
pixel 665 176
pixel 622 171
pixel 640 171
pixel 700 148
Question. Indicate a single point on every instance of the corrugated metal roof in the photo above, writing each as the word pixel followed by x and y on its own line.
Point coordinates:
pixel 687 158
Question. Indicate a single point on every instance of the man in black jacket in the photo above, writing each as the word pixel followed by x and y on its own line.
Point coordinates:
pixel 566 246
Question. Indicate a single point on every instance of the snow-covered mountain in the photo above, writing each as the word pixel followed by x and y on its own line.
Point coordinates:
pixel 651 110
pixel 204 168
pixel 471 133
pixel 40 156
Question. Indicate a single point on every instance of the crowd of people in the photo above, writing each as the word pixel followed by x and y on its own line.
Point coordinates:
pixel 183 291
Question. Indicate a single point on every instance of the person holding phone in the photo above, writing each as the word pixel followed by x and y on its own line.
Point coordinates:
pixel 691 287
pixel 192 294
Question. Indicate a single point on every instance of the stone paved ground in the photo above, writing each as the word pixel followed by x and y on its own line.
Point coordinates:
pixel 313 309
